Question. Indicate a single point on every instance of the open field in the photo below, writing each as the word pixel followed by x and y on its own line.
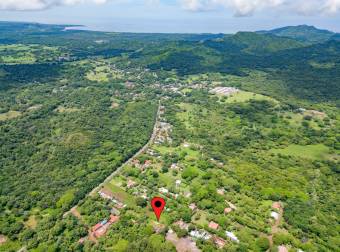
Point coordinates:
pixel 27 54
pixel 9 115
pixel 318 151
pixel 244 96
pixel 120 194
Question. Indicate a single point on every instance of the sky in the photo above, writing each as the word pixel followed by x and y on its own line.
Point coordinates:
pixel 169 16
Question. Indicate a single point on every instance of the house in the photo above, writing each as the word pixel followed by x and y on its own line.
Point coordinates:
pixel 232 236
pixel 187 194
pixel 224 90
pixel 113 219
pixel 174 166
pixel 220 243
pixel 96 227
pixel 200 234
pixel 82 240
pixel 144 196
pixel 282 248
pixel 158 227
pixel 173 195
pixel 220 191
pixel 213 225
pixel 3 239
pixel 119 204
pixel 193 206
pixel 151 152
pixel 275 215
pixel 106 194
pixel 147 163
pixel 227 210
pixel 135 161
pixel 163 190
pixel 115 211
pixel 101 228
pixel 130 183
pixel 276 205
pixel 182 225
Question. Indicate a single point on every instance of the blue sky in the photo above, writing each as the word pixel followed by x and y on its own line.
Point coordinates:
pixel 194 16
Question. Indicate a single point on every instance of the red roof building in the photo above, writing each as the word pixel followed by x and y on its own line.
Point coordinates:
pixel 276 205
pixel 219 242
pixel 96 227
pixel 213 225
pixel 227 210
pixel 113 219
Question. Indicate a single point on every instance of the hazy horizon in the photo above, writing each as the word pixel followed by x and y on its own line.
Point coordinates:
pixel 181 16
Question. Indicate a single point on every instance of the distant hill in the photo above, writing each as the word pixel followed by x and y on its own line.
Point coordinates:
pixel 336 36
pixel 308 71
pixel 262 43
pixel 251 43
pixel 303 33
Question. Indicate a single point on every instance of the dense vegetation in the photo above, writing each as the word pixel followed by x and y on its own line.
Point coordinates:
pixel 76 105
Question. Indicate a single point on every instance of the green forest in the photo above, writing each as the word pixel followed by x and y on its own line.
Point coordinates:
pixel 239 133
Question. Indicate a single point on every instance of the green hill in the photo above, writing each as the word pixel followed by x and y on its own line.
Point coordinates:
pixel 302 33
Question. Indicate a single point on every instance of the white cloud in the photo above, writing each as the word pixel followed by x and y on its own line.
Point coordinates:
pixel 41 4
pixel 239 7
pixel 248 7
pixel 332 6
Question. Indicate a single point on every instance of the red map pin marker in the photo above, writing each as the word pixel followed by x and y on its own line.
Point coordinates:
pixel 158 205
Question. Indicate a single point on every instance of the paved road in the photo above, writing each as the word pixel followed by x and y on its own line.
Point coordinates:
pixel 143 149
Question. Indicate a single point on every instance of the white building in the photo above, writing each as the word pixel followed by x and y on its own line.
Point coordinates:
pixel 274 215
pixel 224 90
pixel 163 190
pixel 232 236
pixel 200 234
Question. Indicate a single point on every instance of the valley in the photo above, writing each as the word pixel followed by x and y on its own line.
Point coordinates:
pixel 93 125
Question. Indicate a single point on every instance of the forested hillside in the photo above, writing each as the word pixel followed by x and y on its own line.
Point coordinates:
pixel 303 33
pixel 239 133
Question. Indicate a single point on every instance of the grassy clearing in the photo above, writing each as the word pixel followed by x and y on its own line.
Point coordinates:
pixel 103 73
pixel 318 151
pixel 19 58
pixel 31 222
pixel 184 116
pixel 66 198
pixel 200 218
pixel 97 76
pixel 167 179
pixel 191 154
pixel 26 54
pixel 9 115
pixel 77 139
pixel 186 90
pixel 296 119
pixel 120 194
pixel 244 96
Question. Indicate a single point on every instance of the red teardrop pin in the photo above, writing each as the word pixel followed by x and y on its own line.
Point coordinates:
pixel 158 204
